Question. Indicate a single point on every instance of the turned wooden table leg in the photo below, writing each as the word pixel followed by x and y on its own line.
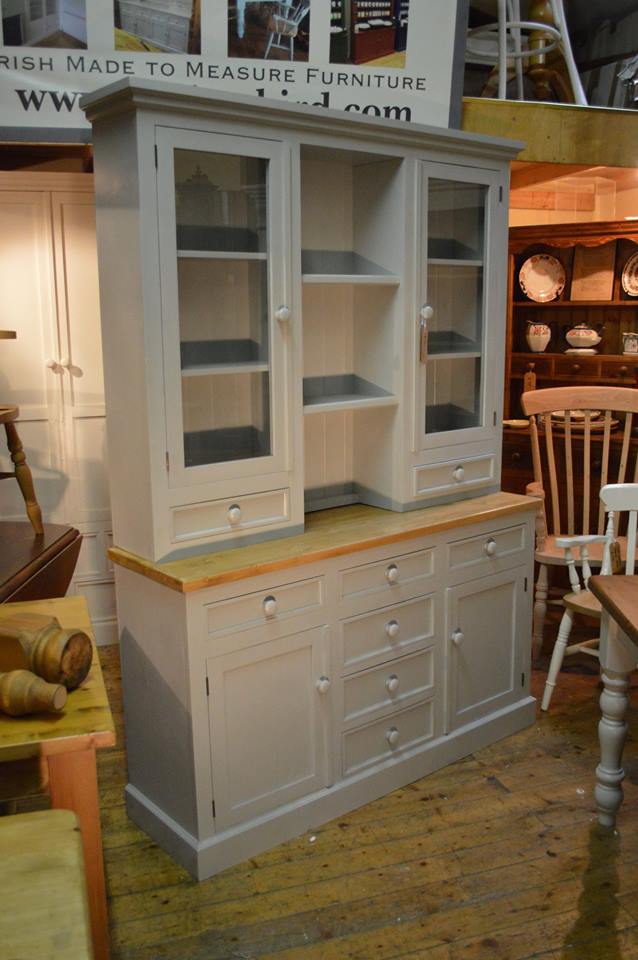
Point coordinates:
pixel 73 786
pixel 612 732
pixel 23 476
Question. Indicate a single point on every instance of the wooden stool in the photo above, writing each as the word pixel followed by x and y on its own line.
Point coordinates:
pixel 22 472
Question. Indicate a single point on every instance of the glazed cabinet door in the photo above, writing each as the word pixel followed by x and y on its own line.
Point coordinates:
pixel 487 632
pixel 224 257
pixel 269 708
pixel 457 364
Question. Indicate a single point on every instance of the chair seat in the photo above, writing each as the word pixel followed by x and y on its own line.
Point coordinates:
pixel 583 602
pixel 551 554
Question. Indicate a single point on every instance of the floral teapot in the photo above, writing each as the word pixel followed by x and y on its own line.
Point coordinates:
pixel 582 337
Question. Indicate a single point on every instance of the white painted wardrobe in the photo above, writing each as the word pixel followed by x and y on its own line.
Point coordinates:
pixel 53 369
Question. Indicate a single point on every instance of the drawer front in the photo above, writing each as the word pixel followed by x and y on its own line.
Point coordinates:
pixel 228 516
pixel 264 607
pixel 378 636
pixel 384 579
pixel 627 371
pixel 487 550
pixel 388 737
pixel 575 368
pixel 387 686
pixel 541 366
pixel 436 479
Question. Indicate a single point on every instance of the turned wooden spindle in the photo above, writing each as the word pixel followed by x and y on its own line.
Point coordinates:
pixel 22 692
pixel 38 643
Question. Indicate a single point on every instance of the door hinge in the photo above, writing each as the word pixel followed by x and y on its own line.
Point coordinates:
pixel 522 679
pixel 525 585
pixel 155 148
pixel 168 462
pixel 213 808
pixel 207 688
pixel 494 419
pixel 500 191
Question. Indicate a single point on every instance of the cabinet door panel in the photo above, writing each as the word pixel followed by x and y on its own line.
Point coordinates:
pixel 455 363
pixel 487 627
pixel 224 263
pixel 268 725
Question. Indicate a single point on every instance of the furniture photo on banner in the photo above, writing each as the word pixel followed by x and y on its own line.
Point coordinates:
pixel 317 324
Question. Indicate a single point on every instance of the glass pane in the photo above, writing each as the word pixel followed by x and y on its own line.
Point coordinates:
pixel 220 202
pixel 456 220
pixel 453 394
pixel 223 300
pixel 226 417
pixel 455 292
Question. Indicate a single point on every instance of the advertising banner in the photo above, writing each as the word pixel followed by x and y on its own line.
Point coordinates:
pixel 398 59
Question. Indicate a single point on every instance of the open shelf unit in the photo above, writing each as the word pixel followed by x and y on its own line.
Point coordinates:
pixel 352 276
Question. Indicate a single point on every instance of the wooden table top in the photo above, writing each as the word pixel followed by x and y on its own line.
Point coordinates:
pixel 86 716
pixel 328 533
pixel 23 553
pixel 44 907
pixel 619 596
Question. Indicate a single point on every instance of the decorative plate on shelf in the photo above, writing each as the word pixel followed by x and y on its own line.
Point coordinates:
pixel 542 277
pixel 630 276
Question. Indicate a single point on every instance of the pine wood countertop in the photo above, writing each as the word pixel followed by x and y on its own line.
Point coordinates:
pixel 328 533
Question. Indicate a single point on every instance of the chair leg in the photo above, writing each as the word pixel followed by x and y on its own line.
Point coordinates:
pixel 269 45
pixel 557 657
pixel 24 478
pixel 540 610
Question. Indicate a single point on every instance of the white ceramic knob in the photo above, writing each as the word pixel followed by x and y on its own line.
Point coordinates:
pixel 426 312
pixel 392 683
pixel 234 513
pixel 283 314
pixel 65 362
pixel 52 364
pixel 270 606
pixel 392 573
pixel 457 638
pixel 490 546
pixel 458 474
pixel 392 629
pixel 392 736
pixel 323 685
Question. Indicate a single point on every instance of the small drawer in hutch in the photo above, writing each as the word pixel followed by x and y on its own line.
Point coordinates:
pixel 387 579
pixel 541 366
pixel 387 737
pixel 625 371
pixel 264 607
pixel 378 636
pixel 437 479
pixel 388 686
pixel 568 367
pixel 215 517
pixel 490 551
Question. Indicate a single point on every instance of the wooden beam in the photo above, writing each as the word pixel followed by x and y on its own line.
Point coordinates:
pixel 529 174
pixel 558 133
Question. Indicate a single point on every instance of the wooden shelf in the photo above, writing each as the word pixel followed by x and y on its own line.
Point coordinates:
pixel 216 369
pixel 343 392
pixel 343 266
pixel 574 304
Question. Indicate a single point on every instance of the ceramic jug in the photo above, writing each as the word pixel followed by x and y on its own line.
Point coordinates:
pixel 538 336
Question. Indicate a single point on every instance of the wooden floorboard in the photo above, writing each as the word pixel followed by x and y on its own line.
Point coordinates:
pixel 496 856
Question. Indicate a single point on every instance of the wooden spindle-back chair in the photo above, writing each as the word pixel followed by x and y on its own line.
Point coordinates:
pixel 573 457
